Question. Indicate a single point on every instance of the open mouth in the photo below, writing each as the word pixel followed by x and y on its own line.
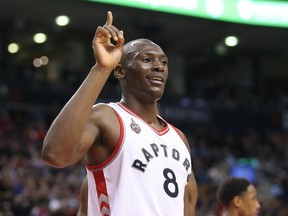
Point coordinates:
pixel 156 79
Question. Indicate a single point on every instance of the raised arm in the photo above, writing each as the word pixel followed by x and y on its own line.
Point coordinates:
pixel 65 142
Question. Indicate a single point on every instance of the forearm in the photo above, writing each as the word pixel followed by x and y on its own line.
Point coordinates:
pixel 64 135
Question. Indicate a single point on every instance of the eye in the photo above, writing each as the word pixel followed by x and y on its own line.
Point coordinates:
pixel 164 62
pixel 146 60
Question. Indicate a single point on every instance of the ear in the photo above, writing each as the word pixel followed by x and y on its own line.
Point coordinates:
pixel 237 201
pixel 119 72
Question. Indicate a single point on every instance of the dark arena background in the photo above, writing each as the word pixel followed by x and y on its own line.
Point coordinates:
pixel 227 92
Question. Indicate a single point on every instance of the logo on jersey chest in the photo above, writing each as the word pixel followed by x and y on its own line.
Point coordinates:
pixel 135 127
pixel 154 151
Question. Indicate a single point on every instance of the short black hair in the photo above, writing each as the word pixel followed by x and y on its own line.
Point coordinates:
pixel 230 188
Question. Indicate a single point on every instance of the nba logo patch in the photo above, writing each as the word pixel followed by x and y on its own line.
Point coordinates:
pixel 135 127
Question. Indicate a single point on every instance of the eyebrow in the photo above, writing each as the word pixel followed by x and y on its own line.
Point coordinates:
pixel 151 53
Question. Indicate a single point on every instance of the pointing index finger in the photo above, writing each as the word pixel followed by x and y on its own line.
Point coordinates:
pixel 109 19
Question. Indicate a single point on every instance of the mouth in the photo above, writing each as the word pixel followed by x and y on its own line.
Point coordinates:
pixel 156 79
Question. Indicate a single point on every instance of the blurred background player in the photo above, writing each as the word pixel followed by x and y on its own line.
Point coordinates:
pixel 238 197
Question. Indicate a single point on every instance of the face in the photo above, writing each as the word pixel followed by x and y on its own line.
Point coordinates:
pixel 145 71
pixel 249 203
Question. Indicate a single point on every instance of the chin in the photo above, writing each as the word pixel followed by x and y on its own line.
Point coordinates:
pixel 156 97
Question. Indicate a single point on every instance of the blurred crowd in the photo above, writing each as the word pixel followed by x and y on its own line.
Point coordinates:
pixel 29 187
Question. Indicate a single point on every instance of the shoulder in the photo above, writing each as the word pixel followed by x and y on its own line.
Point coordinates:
pixel 104 117
pixel 102 107
pixel 106 127
pixel 101 110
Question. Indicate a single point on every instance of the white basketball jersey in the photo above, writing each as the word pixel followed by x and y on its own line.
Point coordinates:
pixel 145 175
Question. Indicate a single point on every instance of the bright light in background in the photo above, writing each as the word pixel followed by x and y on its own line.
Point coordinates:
pixel 38 62
pixel 231 41
pixel 214 7
pixel 13 48
pixel 254 12
pixel 40 38
pixel 62 20
pixel 44 60
pixel 245 9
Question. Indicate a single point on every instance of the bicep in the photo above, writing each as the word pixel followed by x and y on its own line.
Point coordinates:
pixel 190 196
pixel 193 191
pixel 90 133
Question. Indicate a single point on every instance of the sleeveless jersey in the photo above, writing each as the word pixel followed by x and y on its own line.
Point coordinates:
pixel 145 175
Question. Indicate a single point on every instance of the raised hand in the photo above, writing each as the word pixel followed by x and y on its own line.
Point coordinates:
pixel 106 53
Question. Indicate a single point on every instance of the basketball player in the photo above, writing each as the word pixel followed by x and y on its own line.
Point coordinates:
pixel 137 163
pixel 238 198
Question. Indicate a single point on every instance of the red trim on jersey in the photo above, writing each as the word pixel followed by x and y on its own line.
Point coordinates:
pixel 104 204
pixel 159 132
pixel 114 153
pixel 101 189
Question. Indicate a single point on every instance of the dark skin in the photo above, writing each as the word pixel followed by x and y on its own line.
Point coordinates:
pixel 82 210
pixel 84 130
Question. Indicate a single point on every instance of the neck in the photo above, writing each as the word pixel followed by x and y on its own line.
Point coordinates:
pixel 147 111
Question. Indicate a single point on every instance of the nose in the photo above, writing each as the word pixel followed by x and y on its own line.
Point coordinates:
pixel 158 66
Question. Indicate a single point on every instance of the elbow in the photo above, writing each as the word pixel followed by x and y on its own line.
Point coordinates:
pixel 51 160
pixel 51 157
